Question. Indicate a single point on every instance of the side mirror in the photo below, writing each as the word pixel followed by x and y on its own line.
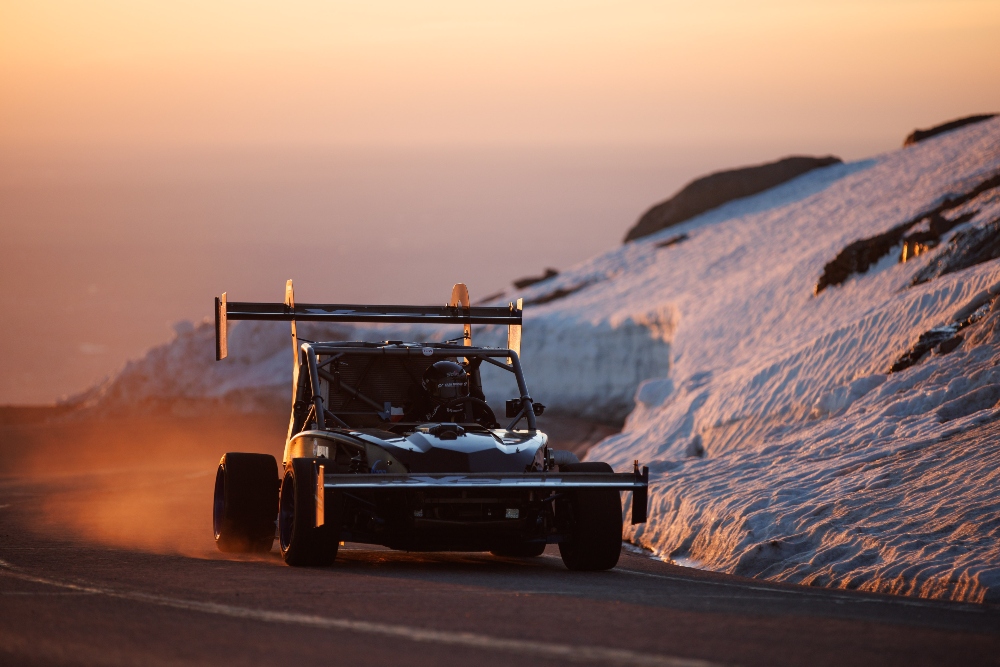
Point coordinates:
pixel 514 407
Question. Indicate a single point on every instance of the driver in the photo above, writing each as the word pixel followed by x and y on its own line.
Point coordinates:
pixel 446 397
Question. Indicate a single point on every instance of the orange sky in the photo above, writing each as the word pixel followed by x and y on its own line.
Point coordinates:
pixel 154 154
pixel 433 73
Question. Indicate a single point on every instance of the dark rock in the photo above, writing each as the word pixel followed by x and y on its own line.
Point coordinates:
pixel 937 225
pixel 967 248
pixel 927 341
pixel 920 135
pixel 949 345
pixel 716 189
pixel 555 295
pixel 858 256
pixel 521 283
pixel 673 240
pixel 944 339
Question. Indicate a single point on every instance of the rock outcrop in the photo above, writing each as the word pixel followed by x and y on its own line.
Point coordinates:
pixel 858 256
pixel 920 135
pixel 716 189
pixel 967 248
pixel 522 283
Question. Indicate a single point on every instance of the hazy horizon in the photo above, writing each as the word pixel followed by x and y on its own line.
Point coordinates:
pixel 105 252
pixel 153 155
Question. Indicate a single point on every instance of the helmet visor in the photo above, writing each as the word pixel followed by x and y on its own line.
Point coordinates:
pixel 452 387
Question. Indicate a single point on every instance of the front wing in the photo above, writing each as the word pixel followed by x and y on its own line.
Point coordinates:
pixel 637 482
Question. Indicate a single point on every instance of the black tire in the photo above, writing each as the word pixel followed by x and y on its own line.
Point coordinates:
pixel 594 523
pixel 523 550
pixel 245 505
pixel 302 542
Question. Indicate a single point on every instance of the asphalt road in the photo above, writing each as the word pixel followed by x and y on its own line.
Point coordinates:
pixel 75 596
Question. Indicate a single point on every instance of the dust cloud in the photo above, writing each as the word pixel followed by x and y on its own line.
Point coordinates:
pixel 145 482
pixel 142 483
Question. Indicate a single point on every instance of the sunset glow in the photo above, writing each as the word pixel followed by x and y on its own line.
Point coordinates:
pixel 154 153
pixel 460 73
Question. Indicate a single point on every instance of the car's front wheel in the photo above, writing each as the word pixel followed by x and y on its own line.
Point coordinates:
pixel 246 503
pixel 593 518
pixel 302 541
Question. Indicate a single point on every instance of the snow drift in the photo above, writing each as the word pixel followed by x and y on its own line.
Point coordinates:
pixel 780 444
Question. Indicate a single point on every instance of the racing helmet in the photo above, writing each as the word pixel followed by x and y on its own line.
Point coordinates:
pixel 445 381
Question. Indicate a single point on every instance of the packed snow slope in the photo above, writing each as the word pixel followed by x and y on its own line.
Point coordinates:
pixel 779 444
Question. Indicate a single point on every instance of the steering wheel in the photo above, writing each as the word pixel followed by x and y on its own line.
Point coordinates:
pixel 492 421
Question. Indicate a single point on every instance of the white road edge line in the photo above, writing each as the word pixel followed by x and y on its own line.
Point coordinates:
pixel 592 654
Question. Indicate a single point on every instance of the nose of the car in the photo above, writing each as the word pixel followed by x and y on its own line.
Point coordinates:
pixel 445 438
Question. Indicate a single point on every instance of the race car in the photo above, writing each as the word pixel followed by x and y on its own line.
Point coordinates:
pixel 394 443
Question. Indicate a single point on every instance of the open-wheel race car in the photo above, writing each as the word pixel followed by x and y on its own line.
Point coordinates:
pixel 393 443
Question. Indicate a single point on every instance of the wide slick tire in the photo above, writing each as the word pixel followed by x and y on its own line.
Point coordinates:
pixel 245 503
pixel 302 542
pixel 594 518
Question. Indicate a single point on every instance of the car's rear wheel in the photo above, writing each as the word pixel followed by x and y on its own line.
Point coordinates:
pixel 246 503
pixel 522 550
pixel 302 542
pixel 593 518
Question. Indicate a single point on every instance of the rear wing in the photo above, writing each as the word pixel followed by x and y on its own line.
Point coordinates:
pixel 460 312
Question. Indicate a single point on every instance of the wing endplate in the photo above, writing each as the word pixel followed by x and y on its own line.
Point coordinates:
pixel 514 330
pixel 460 298
pixel 290 307
pixel 221 328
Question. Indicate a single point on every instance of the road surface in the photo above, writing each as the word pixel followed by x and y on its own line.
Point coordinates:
pixel 80 592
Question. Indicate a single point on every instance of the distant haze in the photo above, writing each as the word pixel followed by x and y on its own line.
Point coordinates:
pixel 155 154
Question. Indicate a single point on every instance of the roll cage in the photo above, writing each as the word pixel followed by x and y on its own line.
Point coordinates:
pixel 317 384
pixel 317 377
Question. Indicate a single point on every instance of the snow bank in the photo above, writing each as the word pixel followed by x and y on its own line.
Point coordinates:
pixel 586 368
pixel 184 376
pixel 779 445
